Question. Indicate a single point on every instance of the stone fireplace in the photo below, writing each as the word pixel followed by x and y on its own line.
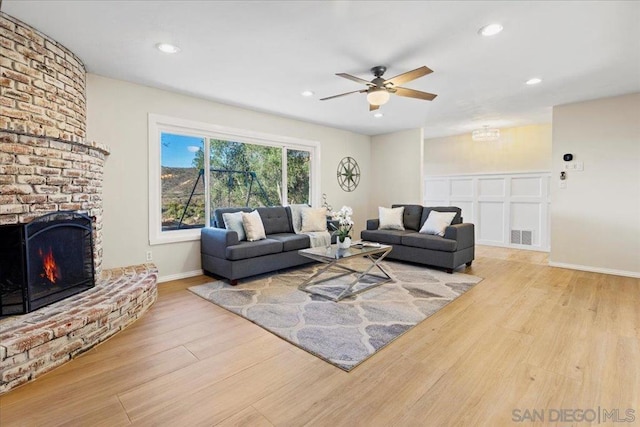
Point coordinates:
pixel 48 166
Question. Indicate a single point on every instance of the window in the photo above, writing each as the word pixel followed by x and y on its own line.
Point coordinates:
pixel 183 201
pixel 195 168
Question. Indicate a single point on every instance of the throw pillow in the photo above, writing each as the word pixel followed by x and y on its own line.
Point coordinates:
pixel 391 218
pixel 253 226
pixel 233 221
pixel 313 219
pixel 437 222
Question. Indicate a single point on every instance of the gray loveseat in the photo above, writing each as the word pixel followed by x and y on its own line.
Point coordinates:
pixel 455 248
pixel 224 255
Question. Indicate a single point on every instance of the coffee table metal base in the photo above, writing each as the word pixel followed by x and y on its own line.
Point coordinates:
pixel 349 289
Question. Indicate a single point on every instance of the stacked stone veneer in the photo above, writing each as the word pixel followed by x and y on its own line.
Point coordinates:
pixel 35 343
pixel 46 165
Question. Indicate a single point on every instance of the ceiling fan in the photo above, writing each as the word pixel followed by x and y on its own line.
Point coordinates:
pixel 379 90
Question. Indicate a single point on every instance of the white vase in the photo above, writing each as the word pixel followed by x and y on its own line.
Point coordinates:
pixel 344 245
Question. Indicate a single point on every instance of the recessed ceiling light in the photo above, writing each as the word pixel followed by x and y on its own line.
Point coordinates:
pixel 533 81
pixel 307 93
pixel 378 115
pixel 167 48
pixel 490 30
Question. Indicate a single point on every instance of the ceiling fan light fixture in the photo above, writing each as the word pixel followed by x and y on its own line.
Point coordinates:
pixel 485 134
pixel 307 93
pixel 490 30
pixel 378 97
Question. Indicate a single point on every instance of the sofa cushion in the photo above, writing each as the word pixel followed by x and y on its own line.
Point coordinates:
pixel 217 215
pixel 291 242
pixel 313 219
pixel 456 219
pixel 391 237
pixel 437 222
pixel 275 220
pixel 427 241
pixel 411 216
pixel 391 219
pixel 233 222
pixel 253 227
pixel 245 250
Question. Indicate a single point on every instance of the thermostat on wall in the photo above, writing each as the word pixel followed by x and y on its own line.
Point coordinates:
pixel 567 157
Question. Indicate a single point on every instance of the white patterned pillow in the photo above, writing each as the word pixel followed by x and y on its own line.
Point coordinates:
pixel 437 222
pixel 233 221
pixel 253 226
pixel 313 219
pixel 390 218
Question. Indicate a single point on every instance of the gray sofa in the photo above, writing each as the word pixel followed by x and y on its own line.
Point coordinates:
pixel 225 256
pixel 455 248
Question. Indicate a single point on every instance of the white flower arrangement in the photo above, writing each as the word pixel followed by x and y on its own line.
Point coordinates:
pixel 345 222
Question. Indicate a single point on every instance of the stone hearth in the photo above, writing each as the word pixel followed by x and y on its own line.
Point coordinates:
pixel 35 343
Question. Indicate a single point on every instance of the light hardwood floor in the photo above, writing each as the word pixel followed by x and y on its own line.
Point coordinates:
pixel 527 337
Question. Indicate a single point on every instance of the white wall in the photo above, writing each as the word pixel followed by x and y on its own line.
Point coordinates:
pixel 117 116
pixel 519 149
pixel 485 179
pixel 396 163
pixel 595 220
pixel 501 206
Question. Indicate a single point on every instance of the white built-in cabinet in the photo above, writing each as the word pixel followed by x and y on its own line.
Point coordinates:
pixel 508 209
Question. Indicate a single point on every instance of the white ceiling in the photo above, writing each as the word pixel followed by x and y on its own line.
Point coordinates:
pixel 262 55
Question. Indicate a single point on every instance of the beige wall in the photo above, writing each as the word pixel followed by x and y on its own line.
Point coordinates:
pixel 117 116
pixel 519 149
pixel 595 220
pixel 396 175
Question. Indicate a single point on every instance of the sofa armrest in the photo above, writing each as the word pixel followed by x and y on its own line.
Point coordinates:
pixel 464 234
pixel 214 241
pixel 373 224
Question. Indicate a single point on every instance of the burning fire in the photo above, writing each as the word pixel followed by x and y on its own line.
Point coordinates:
pixel 49 265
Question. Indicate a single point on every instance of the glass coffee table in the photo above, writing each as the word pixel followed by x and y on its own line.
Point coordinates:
pixel 349 281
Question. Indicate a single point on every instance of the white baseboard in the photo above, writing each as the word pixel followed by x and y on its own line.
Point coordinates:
pixel 178 276
pixel 591 269
pixel 512 246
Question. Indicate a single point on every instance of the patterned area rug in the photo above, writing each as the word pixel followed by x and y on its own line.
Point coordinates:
pixel 342 333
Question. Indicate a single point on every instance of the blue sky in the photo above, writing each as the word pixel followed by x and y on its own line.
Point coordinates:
pixel 178 151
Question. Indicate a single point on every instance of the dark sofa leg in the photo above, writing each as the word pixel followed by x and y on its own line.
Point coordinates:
pixel 233 282
pixel 469 263
pixel 449 270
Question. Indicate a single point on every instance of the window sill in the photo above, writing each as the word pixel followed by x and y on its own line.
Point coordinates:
pixel 165 237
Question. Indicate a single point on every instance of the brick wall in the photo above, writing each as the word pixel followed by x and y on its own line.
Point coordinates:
pixel 42 84
pixel 46 164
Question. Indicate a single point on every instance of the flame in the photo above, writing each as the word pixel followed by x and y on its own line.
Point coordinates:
pixel 49 265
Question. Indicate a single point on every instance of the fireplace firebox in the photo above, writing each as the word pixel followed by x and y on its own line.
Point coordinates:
pixel 44 261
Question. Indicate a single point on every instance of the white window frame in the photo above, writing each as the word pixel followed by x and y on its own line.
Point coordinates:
pixel 159 124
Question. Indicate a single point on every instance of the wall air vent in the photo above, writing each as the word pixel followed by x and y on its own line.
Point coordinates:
pixel 522 237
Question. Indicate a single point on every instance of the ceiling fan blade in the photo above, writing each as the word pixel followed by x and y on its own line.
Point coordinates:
pixel 355 79
pixel 343 94
pixel 373 107
pixel 402 91
pixel 408 76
